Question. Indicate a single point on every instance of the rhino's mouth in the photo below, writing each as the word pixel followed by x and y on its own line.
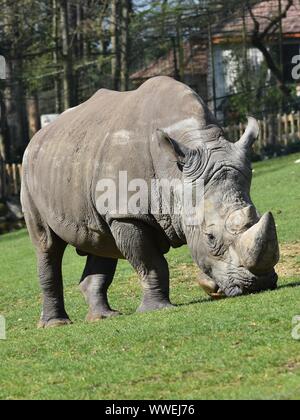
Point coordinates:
pixel 239 282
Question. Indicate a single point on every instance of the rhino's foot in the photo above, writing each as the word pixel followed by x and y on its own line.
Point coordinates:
pixel 52 323
pixel 98 304
pixel 98 316
pixel 154 306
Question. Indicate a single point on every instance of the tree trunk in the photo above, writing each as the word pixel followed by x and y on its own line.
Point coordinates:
pixel 15 109
pixel 259 38
pixel 212 66
pixel 164 8
pixel 57 78
pixel 33 114
pixel 115 50
pixel 21 108
pixel 5 134
pixel 175 60
pixel 68 101
pixel 125 4
pixel 180 47
pixel 79 36
pixel 275 70
pixel 14 92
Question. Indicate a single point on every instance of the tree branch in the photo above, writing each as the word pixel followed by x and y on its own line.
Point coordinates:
pixel 277 20
pixel 258 41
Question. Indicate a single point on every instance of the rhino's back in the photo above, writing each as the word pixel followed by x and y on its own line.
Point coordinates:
pixel 98 139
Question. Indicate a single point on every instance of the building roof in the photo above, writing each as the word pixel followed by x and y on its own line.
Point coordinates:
pixel 196 49
pixel 195 62
pixel 263 12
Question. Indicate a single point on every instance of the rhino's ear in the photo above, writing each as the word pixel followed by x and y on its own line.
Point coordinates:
pixel 171 148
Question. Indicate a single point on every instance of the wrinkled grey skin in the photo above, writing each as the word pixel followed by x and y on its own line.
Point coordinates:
pixel 114 132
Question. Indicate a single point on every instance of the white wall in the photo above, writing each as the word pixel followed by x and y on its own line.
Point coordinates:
pixel 226 72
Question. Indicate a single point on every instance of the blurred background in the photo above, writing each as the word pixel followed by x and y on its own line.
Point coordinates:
pixel 241 56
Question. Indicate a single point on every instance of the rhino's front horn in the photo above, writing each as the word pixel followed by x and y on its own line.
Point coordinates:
pixel 250 135
pixel 258 247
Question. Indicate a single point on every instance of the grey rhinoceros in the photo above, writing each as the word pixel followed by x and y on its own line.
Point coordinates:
pixel 163 130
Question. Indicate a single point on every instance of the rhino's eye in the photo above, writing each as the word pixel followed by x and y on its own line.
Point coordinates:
pixel 211 237
pixel 215 246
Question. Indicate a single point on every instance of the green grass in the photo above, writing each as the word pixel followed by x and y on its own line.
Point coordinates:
pixel 276 187
pixel 236 348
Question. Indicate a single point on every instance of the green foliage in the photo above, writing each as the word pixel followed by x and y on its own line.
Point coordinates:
pixel 239 348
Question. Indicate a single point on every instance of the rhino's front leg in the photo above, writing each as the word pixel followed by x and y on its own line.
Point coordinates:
pixel 136 242
pixel 96 279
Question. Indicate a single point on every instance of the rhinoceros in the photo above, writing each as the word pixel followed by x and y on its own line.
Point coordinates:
pixel 162 130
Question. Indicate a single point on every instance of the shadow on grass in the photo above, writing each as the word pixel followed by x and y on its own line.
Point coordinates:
pixel 289 285
pixel 194 302
pixel 210 300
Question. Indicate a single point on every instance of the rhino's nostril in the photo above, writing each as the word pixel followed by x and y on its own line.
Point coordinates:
pixel 234 291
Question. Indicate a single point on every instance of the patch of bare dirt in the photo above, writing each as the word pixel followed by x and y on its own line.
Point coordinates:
pixel 289 265
pixel 291 366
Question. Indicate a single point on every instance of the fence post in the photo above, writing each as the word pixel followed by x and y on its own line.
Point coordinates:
pixel 259 142
pixel 1 178
pixel 264 131
pixel 298 127
pixel 293 128
pixel 281 132
pixel 14 179
pixel 279 129
pixel 286 129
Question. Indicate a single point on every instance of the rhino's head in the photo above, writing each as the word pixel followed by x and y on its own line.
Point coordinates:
pixel 235 247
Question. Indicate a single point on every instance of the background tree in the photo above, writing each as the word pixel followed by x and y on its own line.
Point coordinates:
pixel 260 37
pixel 59 52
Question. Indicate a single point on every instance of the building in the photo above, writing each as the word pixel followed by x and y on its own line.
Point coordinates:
pixel 210 65
pixel 195 63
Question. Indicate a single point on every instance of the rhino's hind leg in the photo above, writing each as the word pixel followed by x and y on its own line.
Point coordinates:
pixel 137 243
pixel 50 275
pixel 96 279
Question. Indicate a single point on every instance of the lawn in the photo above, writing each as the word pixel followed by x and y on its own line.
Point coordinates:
pixel 235 348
